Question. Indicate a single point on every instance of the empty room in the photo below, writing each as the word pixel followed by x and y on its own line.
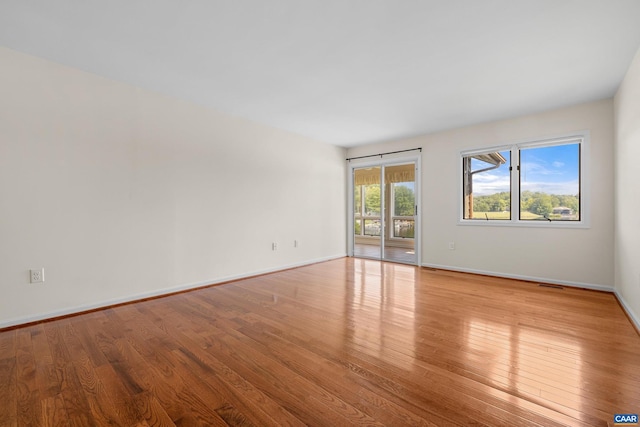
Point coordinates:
pixel 323 213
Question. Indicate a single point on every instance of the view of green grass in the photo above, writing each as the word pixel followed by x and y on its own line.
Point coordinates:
pixel 490 215
pixel 503 215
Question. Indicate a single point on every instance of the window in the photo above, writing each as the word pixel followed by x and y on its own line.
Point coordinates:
pixel 487 185
pixel 537 182
pixel 404 202
pixel 367 210
pixel 550 183
pixel 367 215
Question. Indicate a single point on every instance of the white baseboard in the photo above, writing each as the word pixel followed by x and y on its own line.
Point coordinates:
pixel 633 316
pixel 593 286
pixel 156 293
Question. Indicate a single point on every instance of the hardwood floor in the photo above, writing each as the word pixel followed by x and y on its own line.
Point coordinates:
pixel 349 341
pixel 395 254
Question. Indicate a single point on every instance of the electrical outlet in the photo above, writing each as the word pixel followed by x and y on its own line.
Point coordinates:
pixel 452 246
pixel 274 246
pixel 37 276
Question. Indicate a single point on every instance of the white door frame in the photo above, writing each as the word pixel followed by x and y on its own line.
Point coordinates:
pixel 354 164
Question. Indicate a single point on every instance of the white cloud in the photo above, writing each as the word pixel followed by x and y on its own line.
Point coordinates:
pixel 558 164
pixel 486 183
pixel 561 188
pixel 540 169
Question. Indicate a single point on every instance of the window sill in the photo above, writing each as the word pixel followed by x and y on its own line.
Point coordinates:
pixel 524 224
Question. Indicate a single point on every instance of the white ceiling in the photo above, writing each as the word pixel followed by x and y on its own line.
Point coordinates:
pixel 346 72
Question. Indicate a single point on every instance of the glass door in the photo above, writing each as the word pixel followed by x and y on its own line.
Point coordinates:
pixel 400 211
pixel 367 212
pixel 384 212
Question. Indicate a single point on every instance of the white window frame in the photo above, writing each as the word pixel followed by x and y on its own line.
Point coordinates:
pixel 582 137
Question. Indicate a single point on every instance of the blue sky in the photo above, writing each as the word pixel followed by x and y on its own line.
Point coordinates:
pixel 553 170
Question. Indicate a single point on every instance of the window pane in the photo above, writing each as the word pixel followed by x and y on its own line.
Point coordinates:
pixel 357 199
pixel 372 227
pixel 403 228
pixel 404 200
pixel 357 227
pixel 550 183
pixel 487 186
pixel 372 200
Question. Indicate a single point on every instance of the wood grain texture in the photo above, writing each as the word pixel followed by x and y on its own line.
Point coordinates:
pixel 345 342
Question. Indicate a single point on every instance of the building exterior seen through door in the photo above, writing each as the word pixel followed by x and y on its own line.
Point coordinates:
pixel 384 212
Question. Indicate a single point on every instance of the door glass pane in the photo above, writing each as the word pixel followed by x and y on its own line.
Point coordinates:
pixel 372 200
pixel 404 199
pixel 404 228
pixel 399 213
pixel 367 215
pixel 372 227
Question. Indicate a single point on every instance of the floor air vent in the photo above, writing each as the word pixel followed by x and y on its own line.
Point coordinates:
pixel 547 285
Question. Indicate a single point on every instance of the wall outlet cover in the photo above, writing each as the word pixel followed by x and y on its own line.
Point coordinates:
pixel 37 275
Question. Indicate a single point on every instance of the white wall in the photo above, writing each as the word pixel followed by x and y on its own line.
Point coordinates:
pixel 119 192
pixel 581 257
pixel 627 190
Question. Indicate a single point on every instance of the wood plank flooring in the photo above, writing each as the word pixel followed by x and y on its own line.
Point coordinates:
pixel 345 342
pixel 395 254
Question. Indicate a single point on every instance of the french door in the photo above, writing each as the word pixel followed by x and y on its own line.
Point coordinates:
pixel 384 211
